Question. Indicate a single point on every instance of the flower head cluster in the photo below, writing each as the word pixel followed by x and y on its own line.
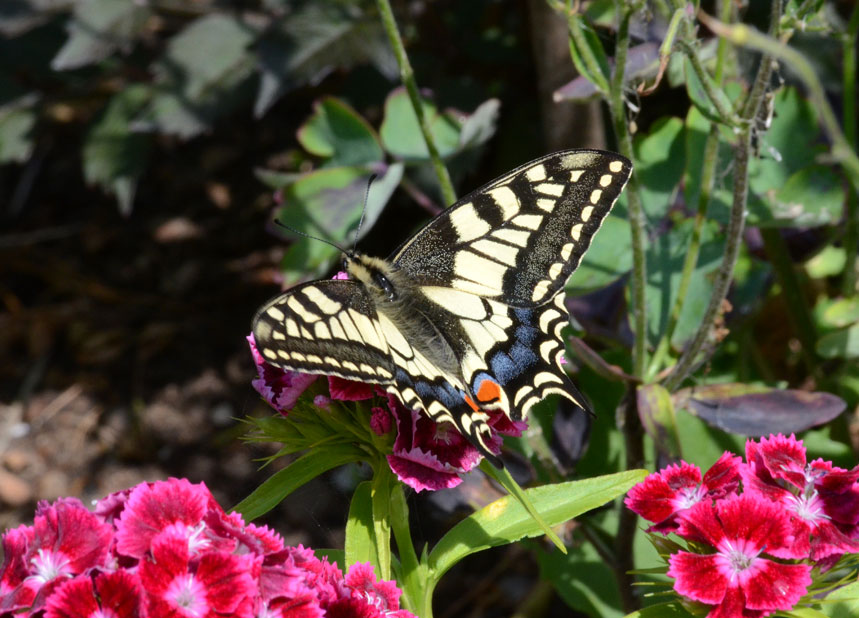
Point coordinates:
pixel 424 454
pixel 754 529
pixel 167 550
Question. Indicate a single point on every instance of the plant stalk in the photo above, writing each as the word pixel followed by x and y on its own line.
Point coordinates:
pixel 407 74
pixel 737 221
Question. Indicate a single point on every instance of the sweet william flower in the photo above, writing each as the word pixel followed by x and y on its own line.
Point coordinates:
pixel 114 595
pixel 740 579
pixel 663 495
pixel 822 500
pixel 167 549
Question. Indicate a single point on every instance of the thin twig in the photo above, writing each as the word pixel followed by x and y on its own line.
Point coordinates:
pixel 737 220
pixel 407 74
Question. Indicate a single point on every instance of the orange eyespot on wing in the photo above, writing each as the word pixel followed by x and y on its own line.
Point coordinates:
pixel 488 392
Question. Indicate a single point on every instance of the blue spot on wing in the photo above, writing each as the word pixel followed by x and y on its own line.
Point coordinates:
pixel 502 367
pixel 523 356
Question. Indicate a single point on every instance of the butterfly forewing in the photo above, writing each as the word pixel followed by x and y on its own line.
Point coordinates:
pixel 325 327
pixel 519 238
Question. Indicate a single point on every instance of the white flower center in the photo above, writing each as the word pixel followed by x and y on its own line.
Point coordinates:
pixel 188 594
pixel 49 565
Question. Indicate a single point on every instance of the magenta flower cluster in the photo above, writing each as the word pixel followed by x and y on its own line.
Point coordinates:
pixel 754 529
pixel 167 550
pixel 425 454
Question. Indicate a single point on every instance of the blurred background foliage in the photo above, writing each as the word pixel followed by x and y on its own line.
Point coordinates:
pixel 147 146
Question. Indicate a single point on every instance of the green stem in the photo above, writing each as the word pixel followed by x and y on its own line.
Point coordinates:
pixel 630 422
pixel 381 498
pixel 736 223
pixel 851 232
pixel 726 114
pixel 417 597
pixel 408 77
pixel 637 221
pixel 746 36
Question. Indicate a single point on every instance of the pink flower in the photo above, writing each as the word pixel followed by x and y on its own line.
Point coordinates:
pixel 180 581
pixel 380 420
pixel 349 390
pixel 428 455
pixel 822 500
pixel 165 550
pixel 738 580
pixel 151 508
pixel 115 594
pixel 281 389
pixel 64 541
pixel 662 496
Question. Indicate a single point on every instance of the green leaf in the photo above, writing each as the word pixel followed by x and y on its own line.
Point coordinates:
pixel 200 76
pixel 790 144
pixel 206 53
pixel 665 257
pixel 807 612
pixel 98 29
pixel 659 164
pixel 114 156
pixel 314 39
pixel 811 197
pixel 828 262
pixel 595 49
pixel 666 610
pixel 840 313
pixel 479 126
pixel 699 97
pixel 840 344
pixel 401 133
pixel 16 127
pixel 583 580
pixel 360 543
pixel 606 451
pixel 697 129
pixel 282 483
pixel 506 521
pixel 608 259
pixel 843 602
pixel 338 133
pixel 656 411
pixel 328 203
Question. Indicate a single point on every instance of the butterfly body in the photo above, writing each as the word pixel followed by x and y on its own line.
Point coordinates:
pixel 466 316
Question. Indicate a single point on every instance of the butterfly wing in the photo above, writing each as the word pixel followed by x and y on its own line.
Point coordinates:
pixel 519 238
pixel 325 327
pixel 492 268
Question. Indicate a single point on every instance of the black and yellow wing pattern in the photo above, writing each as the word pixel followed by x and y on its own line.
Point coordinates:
pixel 467 315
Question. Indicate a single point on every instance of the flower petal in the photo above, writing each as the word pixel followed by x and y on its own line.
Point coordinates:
pixel 698 577
pixel 776 586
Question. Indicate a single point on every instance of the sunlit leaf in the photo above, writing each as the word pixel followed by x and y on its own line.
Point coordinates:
pixel 338 133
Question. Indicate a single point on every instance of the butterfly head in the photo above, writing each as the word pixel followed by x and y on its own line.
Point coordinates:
pixel 376 274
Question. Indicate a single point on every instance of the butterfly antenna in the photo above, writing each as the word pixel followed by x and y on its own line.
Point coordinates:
pixel 306 235
pixel 363 210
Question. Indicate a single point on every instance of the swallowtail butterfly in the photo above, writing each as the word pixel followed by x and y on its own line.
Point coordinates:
pixel 466 315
